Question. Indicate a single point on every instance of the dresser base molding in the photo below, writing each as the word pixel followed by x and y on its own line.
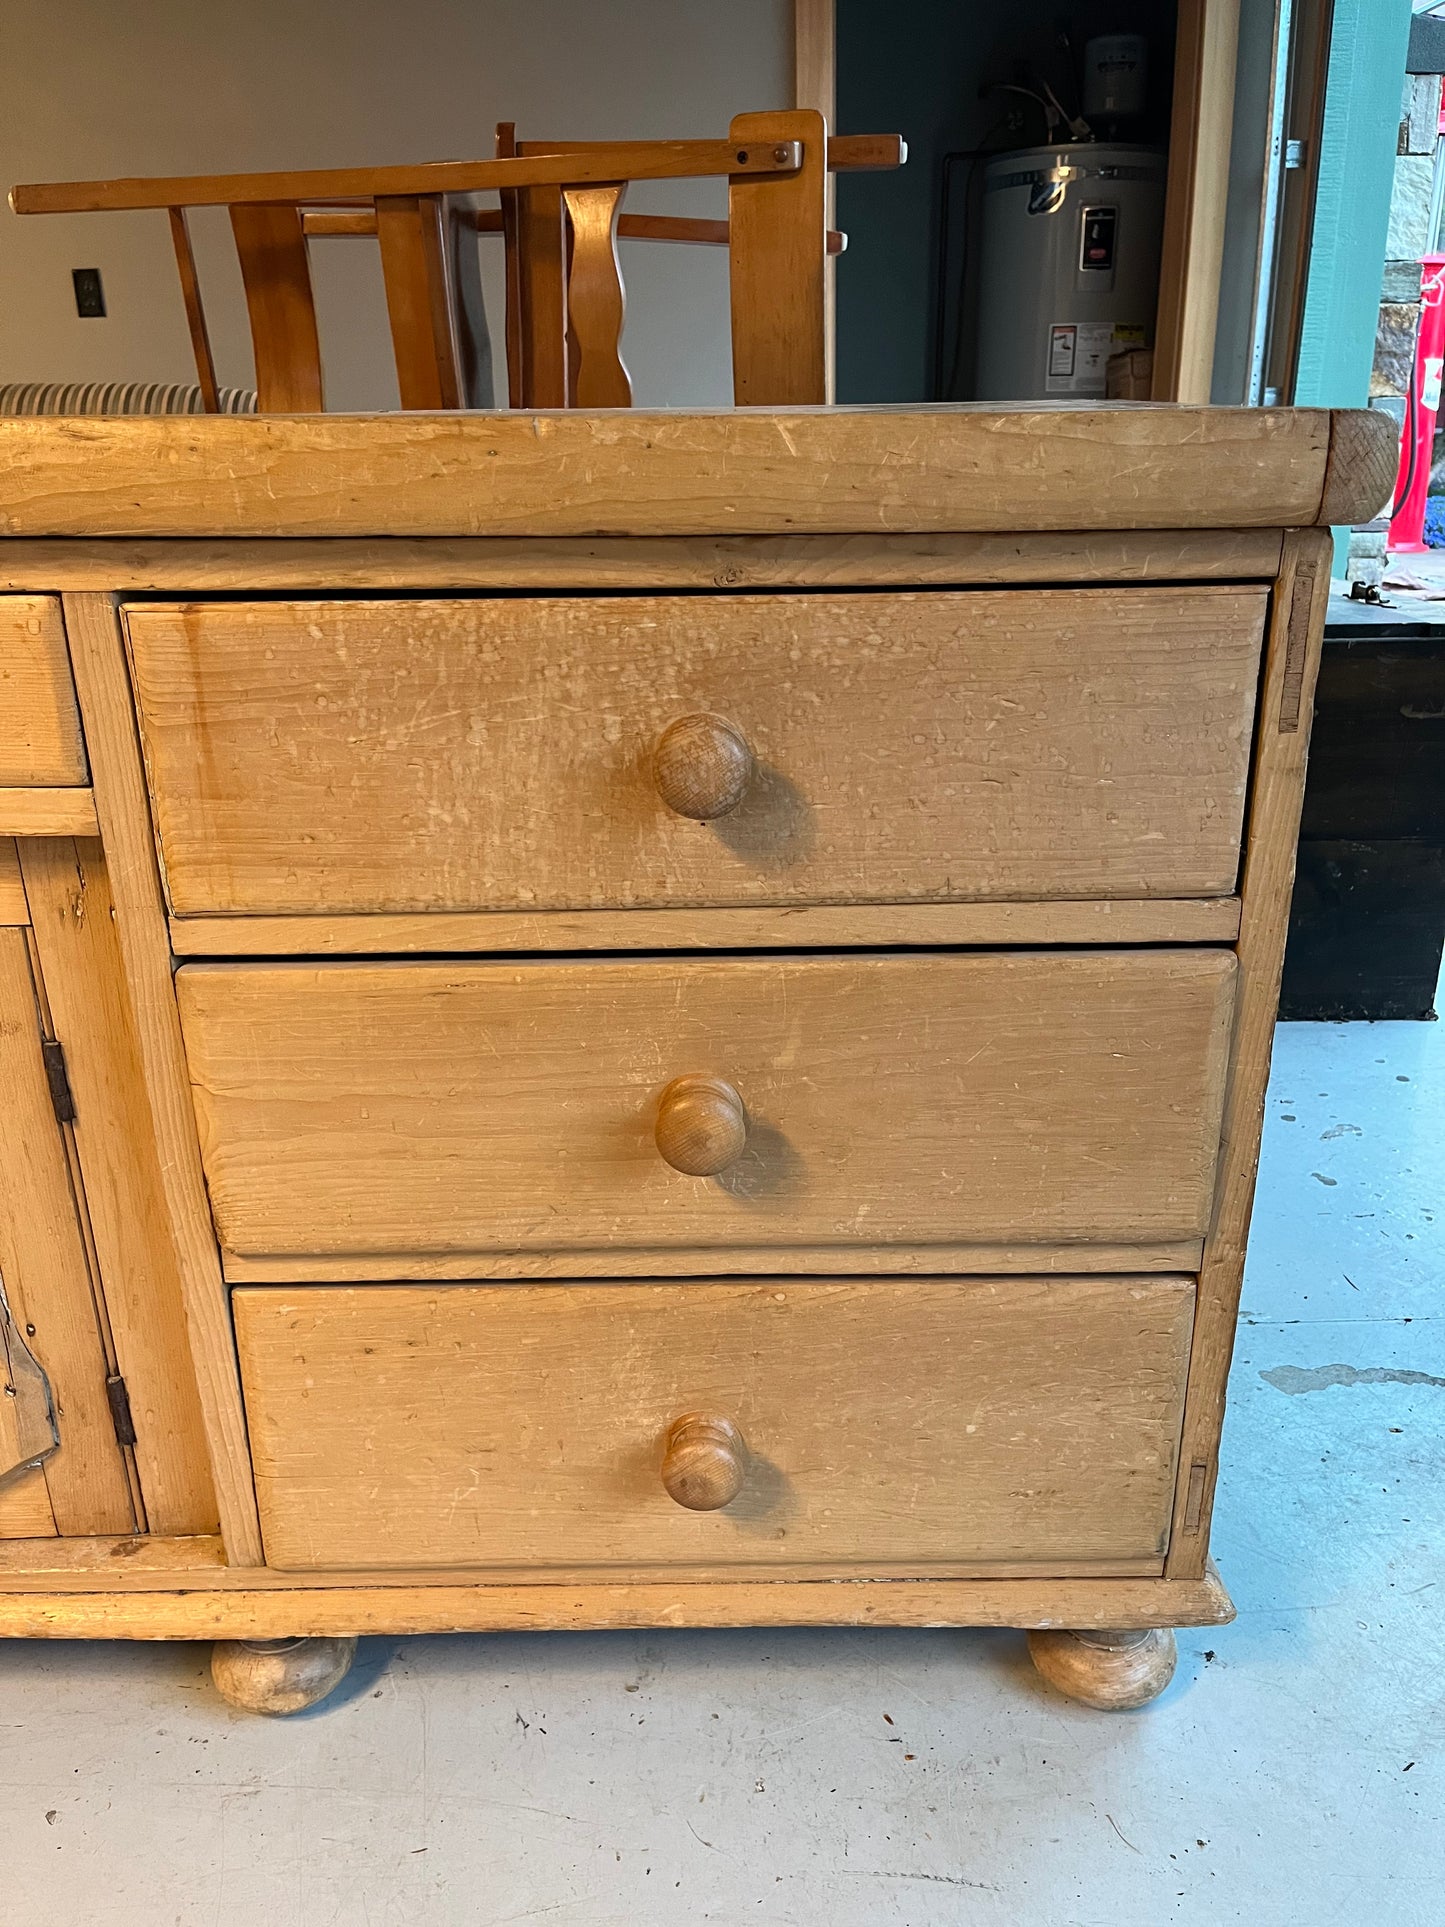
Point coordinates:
pixel 78 1606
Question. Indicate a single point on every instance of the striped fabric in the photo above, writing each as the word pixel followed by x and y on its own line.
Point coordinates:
pixel 116 398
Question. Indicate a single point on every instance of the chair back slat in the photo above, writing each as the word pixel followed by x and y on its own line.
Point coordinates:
pixel 511 213
pixel 596 305
pixel 272 245
pixel 462 224
pixel 778 255
pixel 542 279
pixel 420 299
pixel 195 313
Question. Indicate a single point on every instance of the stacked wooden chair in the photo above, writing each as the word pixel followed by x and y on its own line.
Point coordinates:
pixel 560 218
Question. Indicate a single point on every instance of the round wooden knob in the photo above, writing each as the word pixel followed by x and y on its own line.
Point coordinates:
pixel 704 1461
pixel 701 1126
pixel 702 766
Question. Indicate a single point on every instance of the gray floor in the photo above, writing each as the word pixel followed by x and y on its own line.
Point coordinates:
pixel 1291 1777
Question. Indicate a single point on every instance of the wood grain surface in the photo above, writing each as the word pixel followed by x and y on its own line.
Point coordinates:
pixel 778 262
pixel 632 472
pixel 454 1107
pixel 47 812
pixel 498 753
pixel 655 562
pixel 98 646
pixel 13 907
pixel 1277 796
pixel 39 722
pixel 926 1419
pixel 79 954
pixel 796 927
pixel 47 1269
pixel 74 1612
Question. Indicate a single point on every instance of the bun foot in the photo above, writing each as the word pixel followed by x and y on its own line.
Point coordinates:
pixel 278 1676
pixel 1115 1671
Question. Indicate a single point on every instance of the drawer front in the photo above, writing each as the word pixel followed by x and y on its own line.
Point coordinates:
pixel 501 753
pixel 398 1108
pixel 40 739
pixel 990 1421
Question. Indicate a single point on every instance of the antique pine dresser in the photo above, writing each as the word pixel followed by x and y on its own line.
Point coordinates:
pixel 638 1019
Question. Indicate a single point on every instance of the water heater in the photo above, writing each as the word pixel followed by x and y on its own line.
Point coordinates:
pixel 1067 266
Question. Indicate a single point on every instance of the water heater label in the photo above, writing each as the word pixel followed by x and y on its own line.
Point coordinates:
pixel 1079 354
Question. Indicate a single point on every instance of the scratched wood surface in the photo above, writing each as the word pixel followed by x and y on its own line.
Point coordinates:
pixel 659 562
pixel 992 1419
pixel 48 1272
pixel 1285 712
pixel 13 907
pixel 291 1610
pixel 738 472
pixel 475 1106
pixel 796 927
pixel 498 753
pixel 74 933
pixel 133 889
pixel 40 739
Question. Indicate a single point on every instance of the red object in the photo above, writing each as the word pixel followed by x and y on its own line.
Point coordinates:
pixel 1417 444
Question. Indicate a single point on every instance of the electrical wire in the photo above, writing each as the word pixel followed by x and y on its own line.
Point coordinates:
pixel 1053 114
pixel 941 291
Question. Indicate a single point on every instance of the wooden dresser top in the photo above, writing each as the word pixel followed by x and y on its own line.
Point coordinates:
pixel 954 468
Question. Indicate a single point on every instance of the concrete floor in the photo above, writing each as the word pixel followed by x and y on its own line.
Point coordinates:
pixel 1293 1776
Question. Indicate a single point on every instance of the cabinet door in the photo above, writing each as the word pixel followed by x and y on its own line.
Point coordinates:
pixel 83 1486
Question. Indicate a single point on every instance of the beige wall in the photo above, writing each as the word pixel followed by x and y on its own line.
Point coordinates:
pixel 91 88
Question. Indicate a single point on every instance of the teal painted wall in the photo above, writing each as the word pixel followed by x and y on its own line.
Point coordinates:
pixel 1352 207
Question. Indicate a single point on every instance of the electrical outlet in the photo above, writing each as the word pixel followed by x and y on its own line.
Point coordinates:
pixel 89 294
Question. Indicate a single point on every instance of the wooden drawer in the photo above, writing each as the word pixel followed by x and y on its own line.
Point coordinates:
pixel 995 1422
pixel 40 740
pixel 498 753
pixel 381 1110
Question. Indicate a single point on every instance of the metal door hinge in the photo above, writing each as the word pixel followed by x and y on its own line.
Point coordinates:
pixel 58 1078
pixel 1294 155
pixel 118 1398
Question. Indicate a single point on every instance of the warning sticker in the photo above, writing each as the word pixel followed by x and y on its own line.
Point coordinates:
pixel 1063 350
pixel 1079 351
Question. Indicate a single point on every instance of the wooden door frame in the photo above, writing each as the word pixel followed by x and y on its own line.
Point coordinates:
pixel 815 46
pixel 1200 127
pixel 1308 56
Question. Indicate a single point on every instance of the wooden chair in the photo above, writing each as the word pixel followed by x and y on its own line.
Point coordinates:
pixel 776 166
pixel 562 348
